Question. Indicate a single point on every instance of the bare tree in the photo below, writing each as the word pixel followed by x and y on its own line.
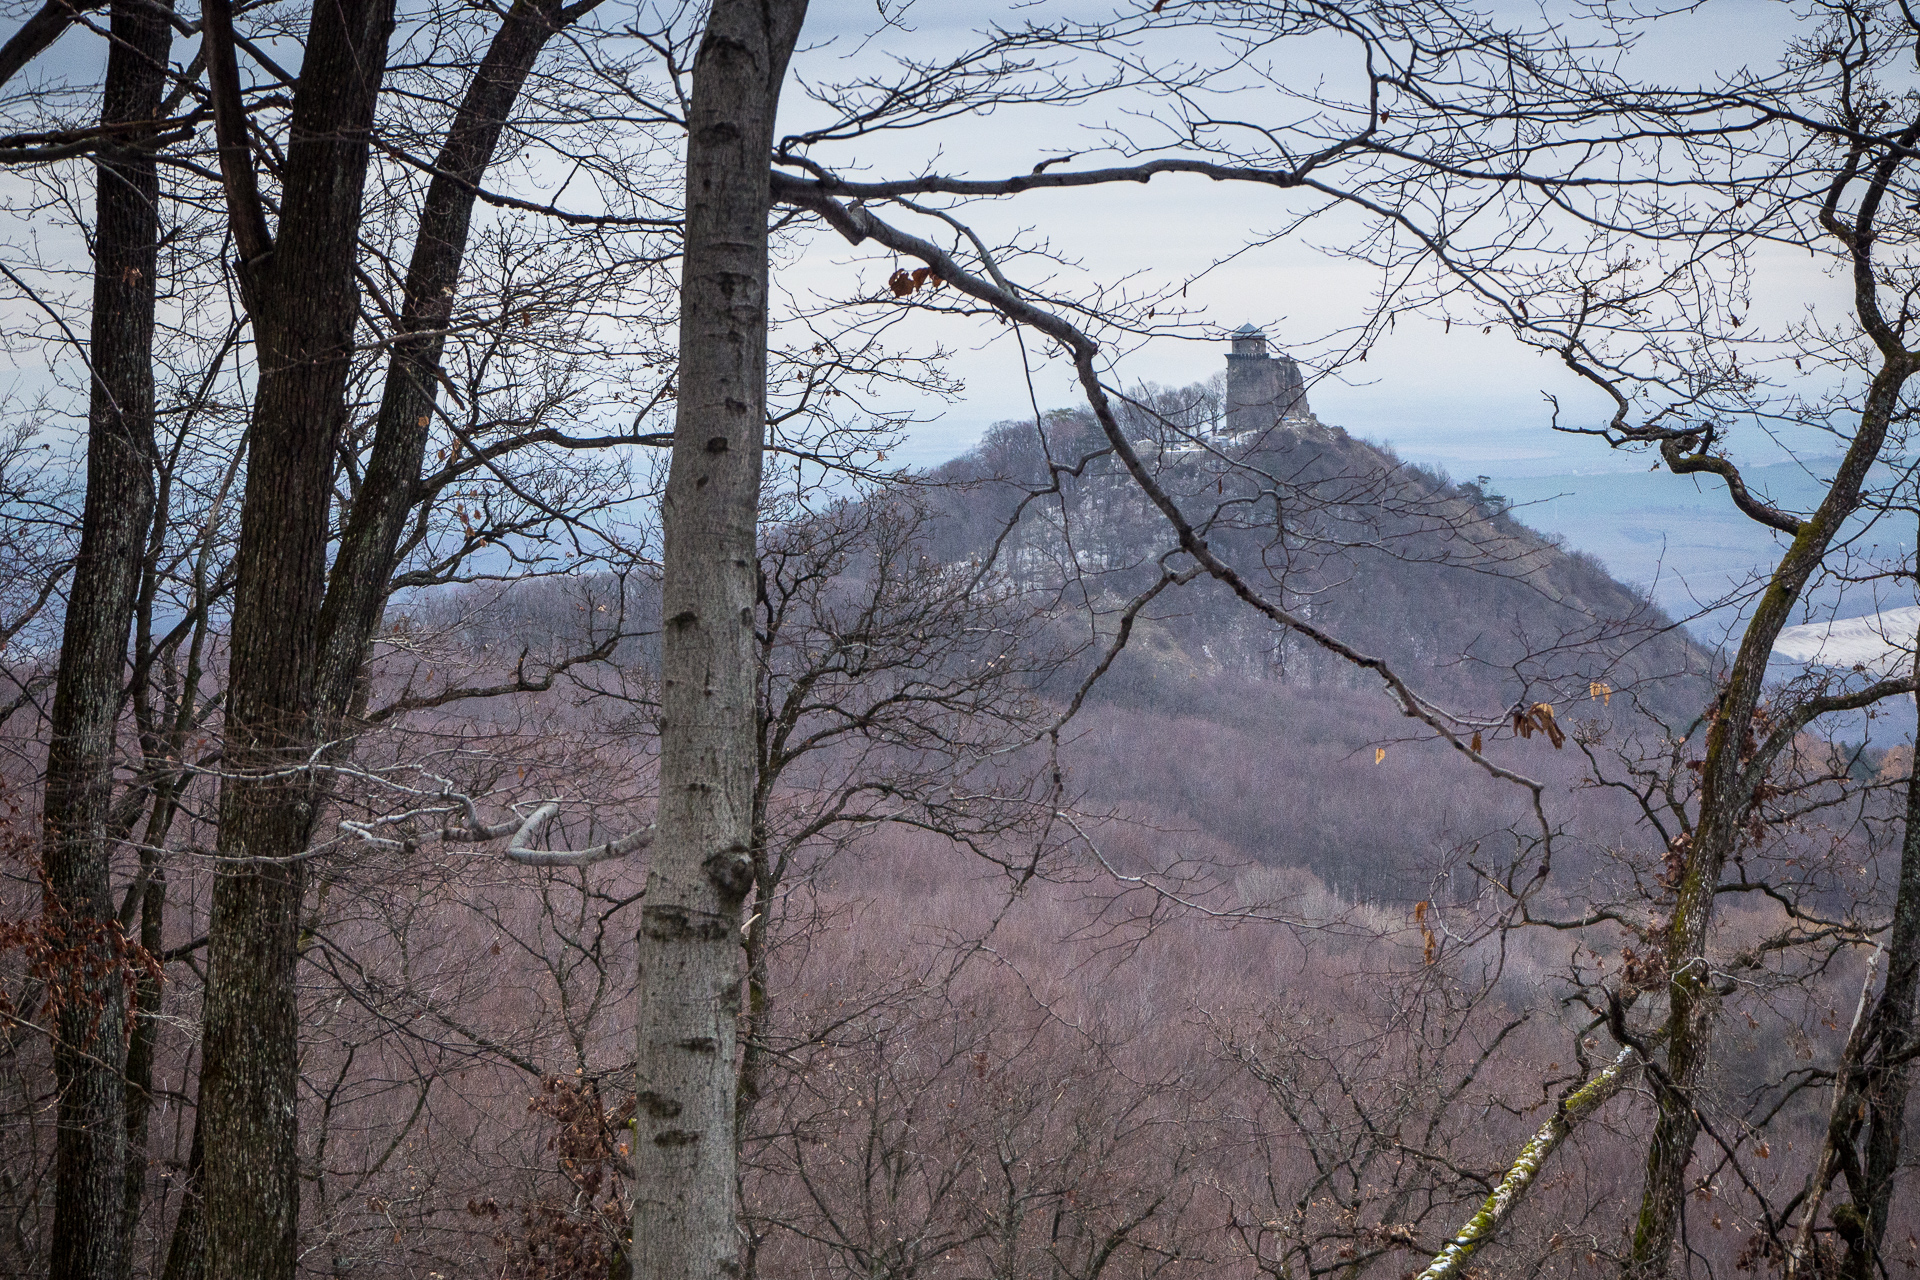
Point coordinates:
pixel 300 694
pixel 977 78
pixel 90 1056
pixel 702 868
pixel 1816 155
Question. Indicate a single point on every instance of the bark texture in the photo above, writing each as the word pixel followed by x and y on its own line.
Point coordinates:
pixel 1891 1074
pixel 1513 1186
pixel 1730 772
pixel 1869 1110
pixel 315 689
pixel 140 1048
pixel 90 1161
pixel 302 298
pixel 187 1251
pixel 370 545
pixel 689 946
pixel 1726 798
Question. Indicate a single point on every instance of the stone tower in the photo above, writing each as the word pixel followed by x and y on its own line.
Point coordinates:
pixel 1261 388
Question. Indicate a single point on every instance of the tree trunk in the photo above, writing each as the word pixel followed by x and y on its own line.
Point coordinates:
pixel 1870 1088
pixel 90 1048
pixel 302 298
pixel 151 904
pixel 1520 1176
pixel 684 1207
pixel 1881 1086
pixel 336 629
pixel 1726 793
pixel 357 592
pixel 146 1011
pixel 187 1252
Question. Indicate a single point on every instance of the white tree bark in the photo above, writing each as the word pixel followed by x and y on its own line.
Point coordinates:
pixel 689 947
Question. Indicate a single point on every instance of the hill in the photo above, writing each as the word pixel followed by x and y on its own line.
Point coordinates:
pixel 1215 739
pixel 1230 740
pixel 1440 579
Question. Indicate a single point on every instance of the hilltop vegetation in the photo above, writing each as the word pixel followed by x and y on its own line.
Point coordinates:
pixel 1437 578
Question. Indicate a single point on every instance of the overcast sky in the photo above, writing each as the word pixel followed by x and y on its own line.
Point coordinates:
pixel 1469 401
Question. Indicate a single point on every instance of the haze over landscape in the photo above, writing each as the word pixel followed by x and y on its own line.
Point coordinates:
pixel 916 640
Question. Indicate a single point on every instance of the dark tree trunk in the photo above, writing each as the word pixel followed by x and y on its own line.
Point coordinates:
pixel 689 945
pixel 90 1051
pixel 1726 792
pixel 146 1009
pixel 369 547
pixel 1881 1083
pixel 187 1252
pixel 302 298
pixel 151 905
pixel 333 633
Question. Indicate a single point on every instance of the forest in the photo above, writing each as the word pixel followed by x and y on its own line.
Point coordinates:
pixel 503 776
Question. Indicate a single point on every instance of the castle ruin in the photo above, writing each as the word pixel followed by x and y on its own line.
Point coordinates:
pixel 1262 389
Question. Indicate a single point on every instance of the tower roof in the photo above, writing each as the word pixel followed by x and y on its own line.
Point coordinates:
pixel 1248 331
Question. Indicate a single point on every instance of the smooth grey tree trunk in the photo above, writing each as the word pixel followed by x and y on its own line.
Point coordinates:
pixel 90 1160
pixel 684 1197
